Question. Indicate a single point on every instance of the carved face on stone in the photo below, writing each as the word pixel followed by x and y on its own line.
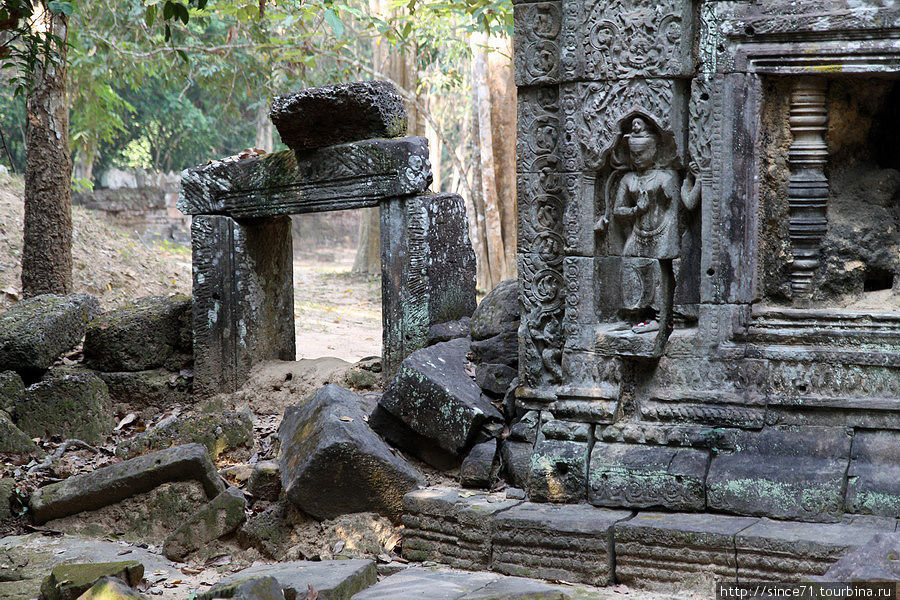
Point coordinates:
pixel 642 144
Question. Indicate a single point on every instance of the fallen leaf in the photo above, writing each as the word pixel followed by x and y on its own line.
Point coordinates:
pixel 311 593
pixel 126 420
pixel 190 570
pixel 337 548
pixel 345 419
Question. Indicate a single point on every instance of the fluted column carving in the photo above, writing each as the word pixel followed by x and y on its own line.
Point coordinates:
pixel 808 186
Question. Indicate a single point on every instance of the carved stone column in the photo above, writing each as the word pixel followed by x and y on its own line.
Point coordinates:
pixel 808 186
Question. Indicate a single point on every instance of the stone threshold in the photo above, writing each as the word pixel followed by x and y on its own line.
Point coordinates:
pixel 581 543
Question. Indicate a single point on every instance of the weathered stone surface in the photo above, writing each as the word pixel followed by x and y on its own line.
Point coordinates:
pixel 785 473
pixel 661 549
pixel 35 331
pixel 873 480
pixel 265 481
pixel 789 551
pixel 516 458
pixel 418 582
pixel 107 485
pixel 7 485
pixel 69 403
pixel 479 468
pixel 335 114
pixel 243 310
pixel 248 588
pixel 450 527
pixel 156 388
pixel 427 271
pixel 354 175
pixel 559 471
pixel 450 330
pixel 495 378
pixel 435 397
pixel 333 464
pixel 227 432
pixel 501 349
pixel 270 531
pixel 498 312
pixel 12 390
pixel 220 517
pixel 147 333
pixel 68 582
pixel 111 588
pixel 636 476
pixel 569 542
pixel 332 579
pixel 400 436
pixel 876 560
pixel 13 439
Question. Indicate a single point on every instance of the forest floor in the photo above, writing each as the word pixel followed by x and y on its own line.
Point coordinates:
pixel 336 313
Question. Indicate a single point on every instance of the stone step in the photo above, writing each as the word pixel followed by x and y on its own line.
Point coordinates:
pixel 598 546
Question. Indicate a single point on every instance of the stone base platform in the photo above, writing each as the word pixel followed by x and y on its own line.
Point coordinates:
pixel 597 546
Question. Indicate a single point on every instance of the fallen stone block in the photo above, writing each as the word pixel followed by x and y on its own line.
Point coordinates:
pixel 332 579
pixel 35 331
pixel 479 469
pixel 265 481
pixel 666 550
pixel 433 394
pixel 400 436
pixel 502 349
pixel 334 114
pixel 569 542
pixel 790 551
pixel 111 588
pixel 155 388
pixel 270 531
pixel 498 312
pixel 333 464
pixel 516 460
pixel 68 582
pixel 226 432
pixel 148 333
pixel 220 517
pixel 248 588
pixel 71 403
pixel 876 560
pixel 12 439
pixel 451 526
pixel 495 378
pixel 12 390
pixel 7 486
pixel 449 330
pixel 107 485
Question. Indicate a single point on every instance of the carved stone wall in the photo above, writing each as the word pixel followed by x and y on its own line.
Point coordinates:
pixel 748 394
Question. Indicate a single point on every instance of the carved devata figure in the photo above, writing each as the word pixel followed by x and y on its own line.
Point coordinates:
pixel 644 200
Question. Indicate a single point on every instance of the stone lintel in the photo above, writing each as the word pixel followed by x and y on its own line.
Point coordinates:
pixel 346 176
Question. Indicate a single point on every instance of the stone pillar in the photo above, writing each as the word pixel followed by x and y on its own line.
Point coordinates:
pixel 427 271
pixel 243 298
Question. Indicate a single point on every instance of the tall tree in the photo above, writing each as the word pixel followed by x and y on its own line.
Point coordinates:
pixel 47 251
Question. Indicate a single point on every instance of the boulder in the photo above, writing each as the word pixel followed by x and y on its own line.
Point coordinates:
pixel 12 390
pixel 154 388
pixel 71 403
pixel 335 114
pixel 434 396
pixel 245 588
pixel 480 467
pixel 69 581
pixel 265 481
pixel 12 439
pixel 148 333
pixel 113 483
pixel 223 432
pixel 111 588
pixel 333 464
pixel 332 579
pixel 876 560
pixel 450 330
pixel 35 331
pixel 220 517
pixel 498 312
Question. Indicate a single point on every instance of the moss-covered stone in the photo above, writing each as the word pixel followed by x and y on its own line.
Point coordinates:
pixel 34 332
pixel 265 481
pixel 17 590
pixel 148 333
pixel 270 531
pixel 249 588
pixel 156 388
pixel 110 588
pixel 68 582
pixel 221 433
pixel 220 517
pixel 12 390
pixel 13 439
pixel 6 491
pixel 70 403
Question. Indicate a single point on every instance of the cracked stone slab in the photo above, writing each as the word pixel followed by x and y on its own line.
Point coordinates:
pixel 334 114
pixel 346 176
pixel 332 579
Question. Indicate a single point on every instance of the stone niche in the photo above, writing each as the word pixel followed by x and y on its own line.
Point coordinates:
pixel 708 254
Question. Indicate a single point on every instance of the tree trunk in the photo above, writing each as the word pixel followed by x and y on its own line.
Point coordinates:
pixel 47 252
pixel 264 128
pixel 475 207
